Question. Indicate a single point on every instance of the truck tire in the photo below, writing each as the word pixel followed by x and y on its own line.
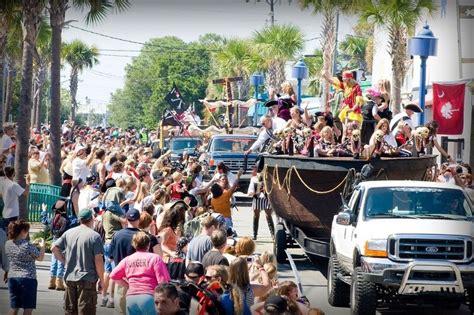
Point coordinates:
pixel 338 290
pixel 363 295
pixel 280 244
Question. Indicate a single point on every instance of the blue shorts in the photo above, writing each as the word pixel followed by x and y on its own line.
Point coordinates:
pixel 22 292
pixel 108 265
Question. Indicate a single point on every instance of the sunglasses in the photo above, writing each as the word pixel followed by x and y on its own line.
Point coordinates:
pixel 193 276
pixel 210 277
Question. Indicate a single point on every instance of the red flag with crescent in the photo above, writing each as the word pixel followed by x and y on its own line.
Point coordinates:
pixel 448 107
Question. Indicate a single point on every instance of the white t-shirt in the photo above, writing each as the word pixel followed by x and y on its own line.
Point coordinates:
pixel 10 193
pixel 79 169
pixel 85 198
pixel 6 142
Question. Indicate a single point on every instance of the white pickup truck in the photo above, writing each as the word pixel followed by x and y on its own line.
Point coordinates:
pixel 402 242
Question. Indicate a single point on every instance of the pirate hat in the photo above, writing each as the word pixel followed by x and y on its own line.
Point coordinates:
pixel 413 107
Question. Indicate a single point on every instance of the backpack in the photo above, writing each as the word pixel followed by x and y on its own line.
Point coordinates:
pixel 193 227
pixel 99 228
pixel 71 214
pixel 208 300
pixel 60 223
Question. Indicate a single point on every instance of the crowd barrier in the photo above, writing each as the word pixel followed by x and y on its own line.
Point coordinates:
pixel 41 194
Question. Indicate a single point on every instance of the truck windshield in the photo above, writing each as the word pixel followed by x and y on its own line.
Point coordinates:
pixel 178 146
pixel 417 202
pixel 231 145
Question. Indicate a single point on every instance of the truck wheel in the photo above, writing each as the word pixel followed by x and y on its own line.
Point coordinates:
pixel 280 244
pixel 363 295
pixel 338 290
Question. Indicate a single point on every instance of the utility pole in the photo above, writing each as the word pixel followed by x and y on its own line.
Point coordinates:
pixel 271 3
pixel 272 11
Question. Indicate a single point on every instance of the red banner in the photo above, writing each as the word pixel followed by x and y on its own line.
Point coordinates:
pixel 448 107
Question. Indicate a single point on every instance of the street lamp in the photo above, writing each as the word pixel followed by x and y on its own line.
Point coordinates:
pixel 256 80
pixel 424 44
pixel 300 72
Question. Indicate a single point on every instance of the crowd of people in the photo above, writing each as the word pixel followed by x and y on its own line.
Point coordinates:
pixel 139 232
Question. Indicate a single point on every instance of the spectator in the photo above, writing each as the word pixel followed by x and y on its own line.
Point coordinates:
pixel 170 228
pixel 38 167
pixel 4 264
pixel 21 254
pixel 112 222
pixel 89 195
pixel 11 191
pixel 240 278
pixel 81 162
pixel 7 141
pixel 144 225
pixel 290 290
pixel 59 225
pixel 167 301
pixel 194 272
pixel 221 197
pixel 215 255
pixel 10 161
pixel 202 243
pixel 121 247
pixel 80 250
pixel 224 169
pixel 245 246
pixel 140 273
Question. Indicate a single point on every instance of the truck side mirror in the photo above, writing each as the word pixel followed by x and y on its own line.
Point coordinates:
pixel 344 218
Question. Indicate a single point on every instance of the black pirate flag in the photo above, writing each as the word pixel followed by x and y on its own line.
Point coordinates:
pixel 169 119
pixel 176 101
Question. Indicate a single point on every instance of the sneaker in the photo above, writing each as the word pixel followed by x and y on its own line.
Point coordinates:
pixel 110 304
pixel 104 302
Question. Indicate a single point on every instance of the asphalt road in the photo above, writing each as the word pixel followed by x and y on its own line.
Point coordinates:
pixel 311 273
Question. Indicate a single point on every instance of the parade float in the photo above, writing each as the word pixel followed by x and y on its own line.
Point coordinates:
pixel 306 192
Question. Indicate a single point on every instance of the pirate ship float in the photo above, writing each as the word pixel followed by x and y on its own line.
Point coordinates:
pixel 305 192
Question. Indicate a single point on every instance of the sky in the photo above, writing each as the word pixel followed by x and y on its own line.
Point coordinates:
pixel 186 19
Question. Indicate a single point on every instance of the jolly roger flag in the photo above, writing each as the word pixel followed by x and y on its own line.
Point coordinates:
pixel 448 107
pixel 175 99
pixel 169 119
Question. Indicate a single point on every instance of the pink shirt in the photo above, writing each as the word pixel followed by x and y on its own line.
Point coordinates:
pixel 143 271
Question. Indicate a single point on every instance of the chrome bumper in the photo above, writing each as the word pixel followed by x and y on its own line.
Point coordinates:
pixel 409 277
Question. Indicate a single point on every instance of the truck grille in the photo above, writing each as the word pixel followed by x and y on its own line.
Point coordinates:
pixel 235 165
pixel 454 249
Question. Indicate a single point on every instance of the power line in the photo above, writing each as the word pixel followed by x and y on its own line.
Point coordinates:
pixel 141 43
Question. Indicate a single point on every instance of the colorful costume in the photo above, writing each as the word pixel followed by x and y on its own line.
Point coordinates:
pixel 352 97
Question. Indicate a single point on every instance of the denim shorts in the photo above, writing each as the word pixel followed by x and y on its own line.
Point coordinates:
pixel 22 292
pixel 108 264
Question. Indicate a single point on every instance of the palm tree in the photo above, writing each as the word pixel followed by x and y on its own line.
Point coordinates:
pixel 279 44
pixel 79 56
pixel 315 65
pixel 42 56
pixel 354 47
pixel 400 18
pixel 97 11
pixel 232 61
pixel 330 10
pixel 9 10
pixel 31 18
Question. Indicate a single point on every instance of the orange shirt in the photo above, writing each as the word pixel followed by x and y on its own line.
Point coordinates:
pixel 221 204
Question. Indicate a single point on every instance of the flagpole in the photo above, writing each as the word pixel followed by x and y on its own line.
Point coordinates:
pixel 212 116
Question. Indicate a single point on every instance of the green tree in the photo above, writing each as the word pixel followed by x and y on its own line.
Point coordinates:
pixel 315 65
pixel 330 10
pixel 31 18
pixel 42 58
pixel 353 48
pixel 400 18
pixel 150 76
pixel 79 56
pixel 96 11
pixel 278 44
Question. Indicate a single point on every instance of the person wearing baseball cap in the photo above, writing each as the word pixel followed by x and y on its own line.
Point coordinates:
pixel 80 249
pixel 121 247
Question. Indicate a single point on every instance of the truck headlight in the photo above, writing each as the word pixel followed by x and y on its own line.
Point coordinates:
pixel 375 248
